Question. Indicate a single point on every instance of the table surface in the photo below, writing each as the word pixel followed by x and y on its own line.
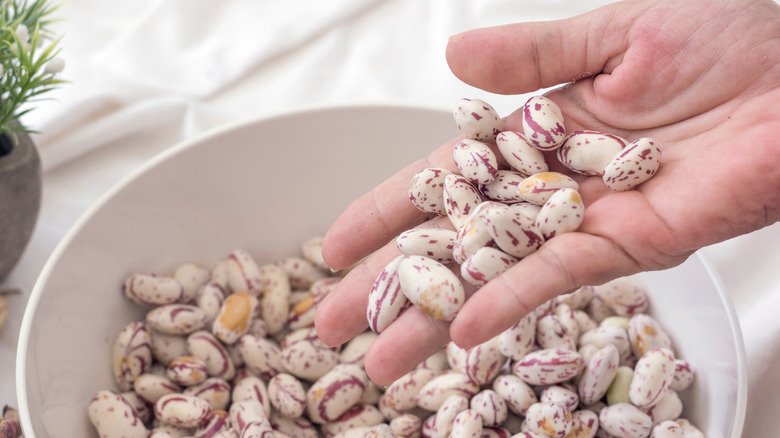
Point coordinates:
pixel 176 68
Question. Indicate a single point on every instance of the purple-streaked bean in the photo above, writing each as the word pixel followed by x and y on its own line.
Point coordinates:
pixel 243 273
pixel 589 152
pixel 214 390
pixel 275 302
pixel 335 392
pixel 435 391
pixel 473 234
pixel 566 316
pixel 585 424
pixel 187 370
pixel 243 412
pixel 210 298
pixel 141 407
pixel 667 429
pixel 293 427
pixel 578 299
pixel 181 410
pixel 632 166
pixel 176 319
pixel 401 394
pixel 191 277
pixel 151 387
pixel 167 347
pixel 388 411
pixel 545 309
pixel 287 395
pixel 485 264
pixel 608 334
pixel 652 375
pixel 548 367
pixel 302 273
pixel 624 296
pixel 112 416
pixel 549 418
pixel 618 389
pixel 645 334
pixel 431 286
pixel 132 354
pixel 385 299
pixel 561 394
pixel 263 356
pixel 207 347
pixel 426 190
pixel 153 290
pixel 475 161
pixel 551 334
pixel 355 350
pixel 598 374
pixel 258 429
pixel 562 213
pixel 461 198
pixel 543 123
pixel 683 375
pixel 520 154
pixel 467 424
pixel 456 357
pixel 490 406
pixel 517 394
pixel 504 187
pixel 483 362
pixel 234 317
pixel 308 359
pixel 625 420
pixel 311 249
pixel 518 340
pixel 477 119
pixel 302 314
pixel 538 188
pixel 435 243
pixel 360 415
pixel 441 426
pixel 257 327
pixel 689 429
pixel 406 426
pixel 216 421
pixel 669 407
pixel 513 230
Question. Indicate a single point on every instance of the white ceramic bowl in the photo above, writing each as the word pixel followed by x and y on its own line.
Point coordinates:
pixel 265 186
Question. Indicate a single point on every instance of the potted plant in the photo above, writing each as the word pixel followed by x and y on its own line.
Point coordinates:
pixel 28 69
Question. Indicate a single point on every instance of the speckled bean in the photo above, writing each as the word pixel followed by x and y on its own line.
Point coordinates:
pixel 355 350
pixel 435 391
pixel 401 394
pixel 207 347
pixel 151 387
pixel 605 335
pixel 589 152
pixel 551 333
pixel 565 395
pixel 490 406
pixel 360 415
pixel 473 234
pixel 113 416
pixel 386 301
pixel 598 374
pixel 132 354
pixel 187 370
pixel 652 375
pixel 406 426
pixel 485 264
pixel 275 302
pixel 302 313
pixel 311 249
pixel 547 367
pixel 504 187
pixel 645 334
pixel 518 340
pixel 335 392
pixel 538 188
pixel 214 390
pixel 294 427
pixel 475 161
pixel 435 243
pixel 625 420
pixel 513 230
pixel 301 272
pixel 153 290
pixel 243 412
pixel 477 119
pixel 520 154
pixel 668 407
pixel 210 298
pixel 262 356
pixel 287 395
pixel 441 426
pixel 549 418
pixel 467 424
pixel 543 123
pixel 258 429
pixel 243 273
pixel 181 409
pixel 461 198
pixel 585 424
pixel 308 359
pixel 562 213
pixel 217 421
pixel 234 317
pixel 683 375
pixel 517 394
pixel 426 190
pixel 431 286
pixel 632 166
pixel 624 295
pixel 176 319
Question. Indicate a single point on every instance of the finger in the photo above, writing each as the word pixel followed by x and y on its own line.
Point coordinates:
pixel 524 57
pixel 378 216
pixel 342 314
pixel 409 340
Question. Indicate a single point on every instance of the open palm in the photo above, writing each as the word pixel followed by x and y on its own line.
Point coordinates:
pixel 700 77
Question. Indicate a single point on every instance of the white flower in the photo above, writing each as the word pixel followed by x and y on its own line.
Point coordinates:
pixel 54 66
pixel 22 33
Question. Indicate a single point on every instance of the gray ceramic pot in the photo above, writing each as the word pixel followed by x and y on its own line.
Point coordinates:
pixel 20 197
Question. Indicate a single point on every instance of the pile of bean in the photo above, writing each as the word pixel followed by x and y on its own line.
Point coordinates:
pixel 231 352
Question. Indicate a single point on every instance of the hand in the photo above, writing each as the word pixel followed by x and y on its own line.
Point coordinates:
pixel 700 77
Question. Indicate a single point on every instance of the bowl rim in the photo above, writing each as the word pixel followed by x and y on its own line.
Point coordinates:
pixel 179 147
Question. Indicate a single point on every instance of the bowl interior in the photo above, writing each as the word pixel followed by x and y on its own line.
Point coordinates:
pixel 265 186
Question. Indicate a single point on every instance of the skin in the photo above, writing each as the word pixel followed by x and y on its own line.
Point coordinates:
pixel 700 77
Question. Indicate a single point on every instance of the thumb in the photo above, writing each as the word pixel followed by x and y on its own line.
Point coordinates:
pixel 524 57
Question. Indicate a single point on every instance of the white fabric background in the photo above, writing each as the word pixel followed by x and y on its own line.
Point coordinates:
pixel 147 74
